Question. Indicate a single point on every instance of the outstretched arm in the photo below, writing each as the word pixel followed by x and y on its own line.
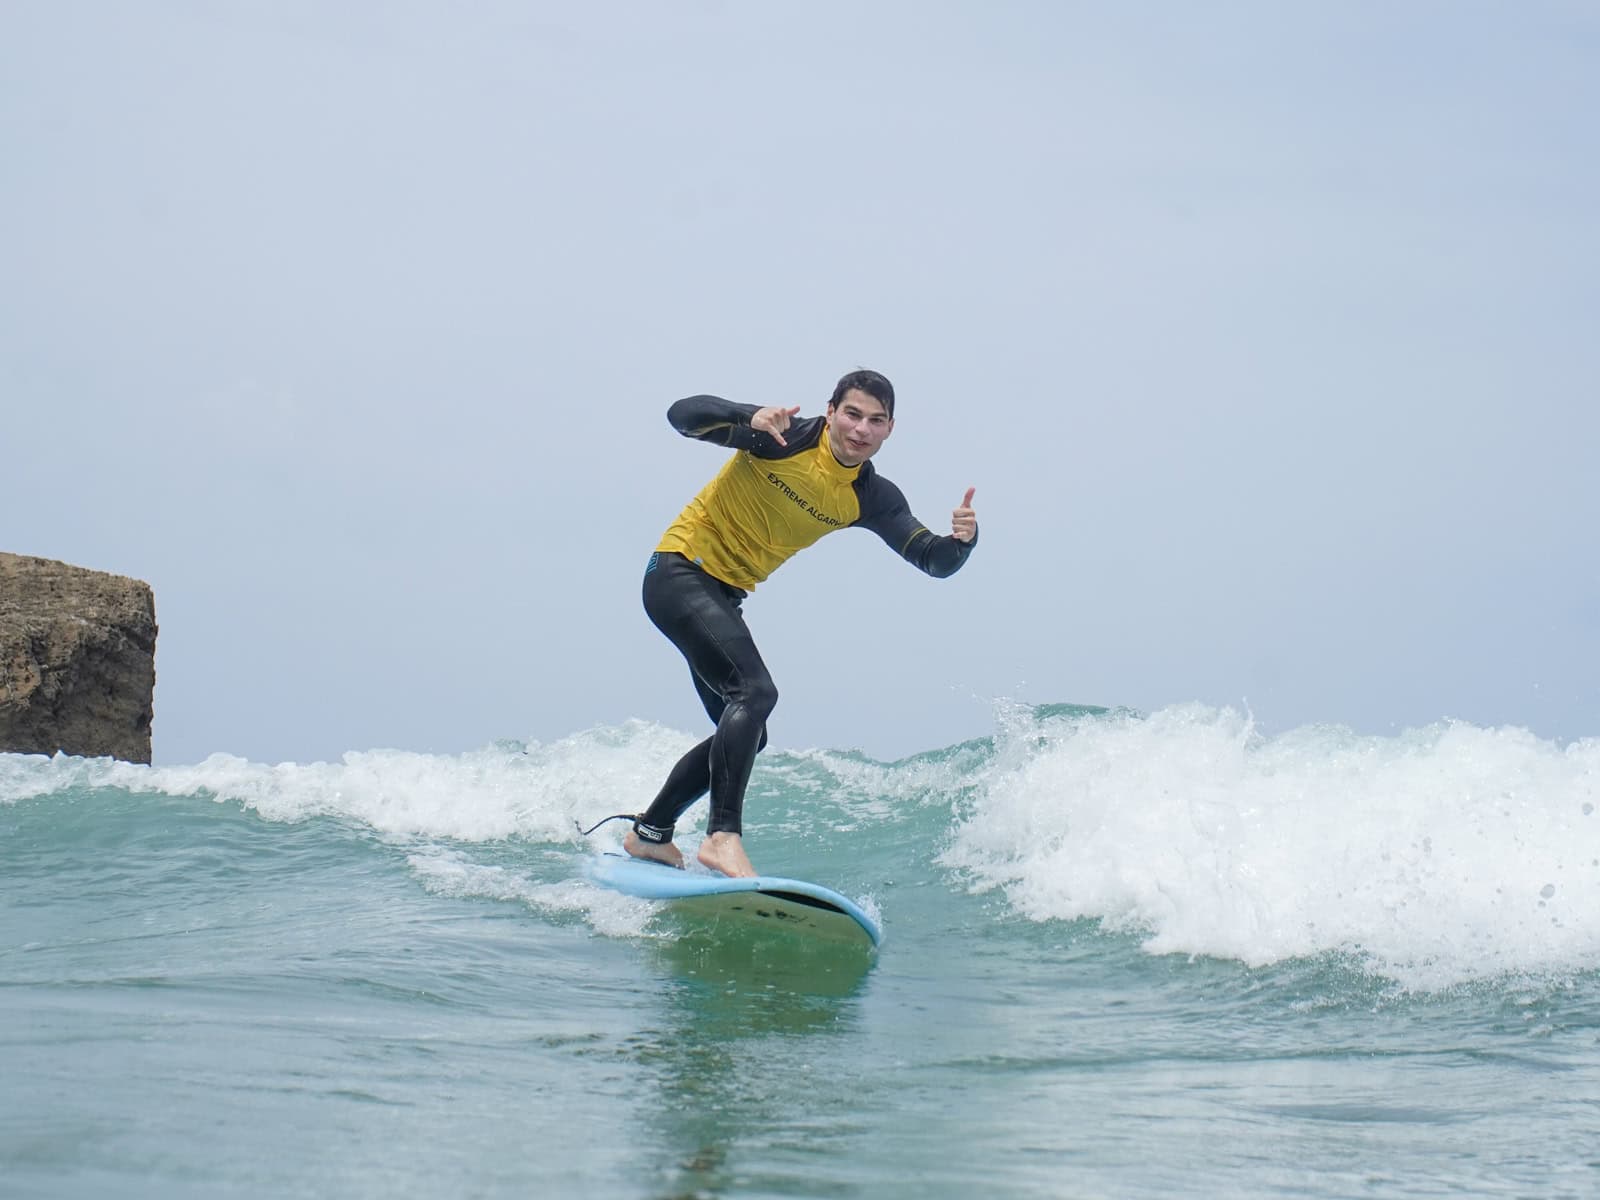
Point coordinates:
pixel 740 426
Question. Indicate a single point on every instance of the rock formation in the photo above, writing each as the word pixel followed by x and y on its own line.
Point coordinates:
pixel 77 660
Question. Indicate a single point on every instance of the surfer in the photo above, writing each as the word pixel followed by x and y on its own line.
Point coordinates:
pixel 790 481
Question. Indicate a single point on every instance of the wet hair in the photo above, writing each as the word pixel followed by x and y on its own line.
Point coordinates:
pixel 873 384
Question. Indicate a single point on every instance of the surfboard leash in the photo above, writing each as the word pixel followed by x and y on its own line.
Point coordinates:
pixel 603 821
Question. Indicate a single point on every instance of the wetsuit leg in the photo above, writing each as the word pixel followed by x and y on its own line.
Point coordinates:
pixel 700 616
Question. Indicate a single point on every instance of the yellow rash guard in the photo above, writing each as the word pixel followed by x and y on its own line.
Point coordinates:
pixel 769 501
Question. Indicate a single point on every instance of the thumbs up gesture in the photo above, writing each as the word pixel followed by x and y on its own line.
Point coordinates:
pixel 963 521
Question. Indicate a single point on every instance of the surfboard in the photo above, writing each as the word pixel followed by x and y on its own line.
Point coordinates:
pixel 793 905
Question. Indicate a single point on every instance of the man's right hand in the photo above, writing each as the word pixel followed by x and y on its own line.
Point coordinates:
pixel 774 421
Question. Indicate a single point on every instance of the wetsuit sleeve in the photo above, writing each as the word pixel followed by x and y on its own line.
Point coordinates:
pixel 722 422
pixel 884 511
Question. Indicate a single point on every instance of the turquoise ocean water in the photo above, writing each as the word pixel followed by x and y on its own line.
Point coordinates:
pixel 1126 955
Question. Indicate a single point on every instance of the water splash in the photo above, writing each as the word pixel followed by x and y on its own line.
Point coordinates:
pixel 1441 855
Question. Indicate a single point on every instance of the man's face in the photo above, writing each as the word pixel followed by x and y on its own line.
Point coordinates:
pixel 857 426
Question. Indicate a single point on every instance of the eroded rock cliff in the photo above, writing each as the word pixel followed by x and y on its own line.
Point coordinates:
pixel 77 660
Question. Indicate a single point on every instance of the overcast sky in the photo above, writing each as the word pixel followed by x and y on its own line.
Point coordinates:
pixel 1268 334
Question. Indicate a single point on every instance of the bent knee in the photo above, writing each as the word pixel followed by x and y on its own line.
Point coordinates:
pixel 761 697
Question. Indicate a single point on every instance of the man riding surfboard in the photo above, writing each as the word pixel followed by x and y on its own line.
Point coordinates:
pixel 790 481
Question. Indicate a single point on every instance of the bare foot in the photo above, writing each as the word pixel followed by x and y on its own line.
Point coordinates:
pixel 725 852
pixel 661 852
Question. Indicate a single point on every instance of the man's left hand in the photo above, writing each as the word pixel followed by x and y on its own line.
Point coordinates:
pixel 964 522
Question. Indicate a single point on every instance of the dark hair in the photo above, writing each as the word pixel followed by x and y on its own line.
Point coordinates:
pixel 870 382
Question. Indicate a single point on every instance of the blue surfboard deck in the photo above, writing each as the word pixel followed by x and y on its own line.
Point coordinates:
pixel 793 904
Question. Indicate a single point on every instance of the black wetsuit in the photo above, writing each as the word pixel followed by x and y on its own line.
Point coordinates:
pixel 766 503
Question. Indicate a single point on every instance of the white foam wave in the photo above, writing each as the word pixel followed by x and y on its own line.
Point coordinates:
pixel 535 792
pixel 1438 856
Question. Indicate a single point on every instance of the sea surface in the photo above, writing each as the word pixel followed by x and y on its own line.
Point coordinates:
pixel 1126 955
